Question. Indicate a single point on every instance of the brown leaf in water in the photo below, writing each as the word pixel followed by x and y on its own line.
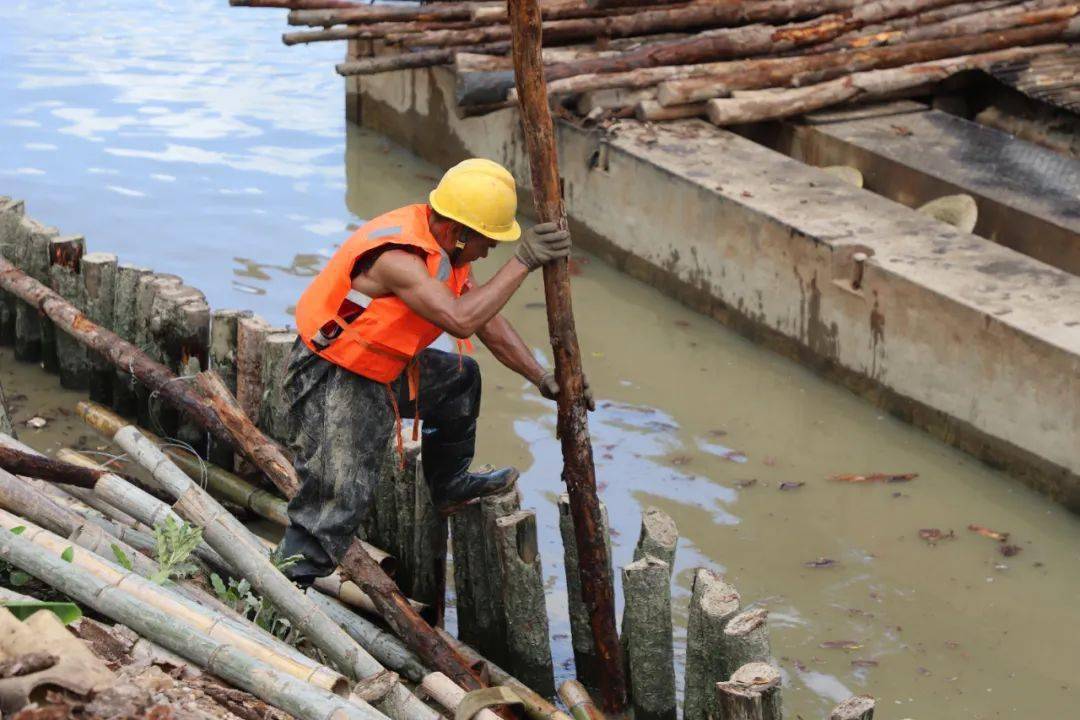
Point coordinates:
pixel 864 663
pixel 933 535
pixel 535 306
pixel 875 477
pixel 576 266
pixel 987 532
pixel 769 461
pixel 682 323
pixel 716 433
pixel 745 483
pixel 1009 550
pixel 680 460
pixel 840 645
pixel 902 130
pixel 821 562
pixel 794 485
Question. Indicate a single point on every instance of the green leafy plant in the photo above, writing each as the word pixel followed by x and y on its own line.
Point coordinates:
pixel 15 578
pixel 237 594
pixel 68 612
pixel 121 557
pixel 173 545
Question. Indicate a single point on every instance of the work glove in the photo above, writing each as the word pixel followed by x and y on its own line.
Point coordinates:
pixel 541 244
pixel 549 388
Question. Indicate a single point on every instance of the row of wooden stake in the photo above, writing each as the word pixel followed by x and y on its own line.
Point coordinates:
pixel 497 569
pixel 729 61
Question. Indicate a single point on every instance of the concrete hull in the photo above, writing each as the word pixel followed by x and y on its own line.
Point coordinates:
pixel 972 341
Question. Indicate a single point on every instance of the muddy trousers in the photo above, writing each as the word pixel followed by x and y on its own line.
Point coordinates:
pixel 340 428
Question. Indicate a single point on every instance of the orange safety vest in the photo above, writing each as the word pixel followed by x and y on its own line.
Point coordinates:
pixel 376 338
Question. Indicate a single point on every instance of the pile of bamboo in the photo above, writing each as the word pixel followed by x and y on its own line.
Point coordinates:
pixel 732 61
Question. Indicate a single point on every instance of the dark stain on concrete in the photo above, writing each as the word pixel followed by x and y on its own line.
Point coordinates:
pixel 1013 268
pixel 877 336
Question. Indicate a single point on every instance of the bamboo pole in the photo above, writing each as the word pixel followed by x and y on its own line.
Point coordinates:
pixel 1030 28
pixel 357 565
pixel 866 86
pixel 277 688
pixel 23 499
pixel 395 656
pixel 236 544
pixel 573 424
pixel 243 635
pixel 144 507
pixel 224 484
pixel 578 701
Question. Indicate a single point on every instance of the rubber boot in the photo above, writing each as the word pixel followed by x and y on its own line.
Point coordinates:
pixel 446 455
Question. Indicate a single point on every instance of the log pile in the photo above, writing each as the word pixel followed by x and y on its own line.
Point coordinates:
pixel 730 61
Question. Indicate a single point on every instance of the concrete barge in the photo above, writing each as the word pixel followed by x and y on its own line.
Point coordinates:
pixel 974 339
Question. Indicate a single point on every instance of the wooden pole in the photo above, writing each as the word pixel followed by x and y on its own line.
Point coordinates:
pixel 745 640
pixel 39 466
pixel 98 275
pixel 405 61
pixel 125 397
pixel 858 707
pixel 238 546
pixel 1030 28
pixel 115 349
pixel 579 473
pixel 752 693
pixel 659 537
pixel 63 354
pixel 865 86
pixel 712 603
pixel 11 214
pixel 746 40
pixel 647 634
pixel 358 565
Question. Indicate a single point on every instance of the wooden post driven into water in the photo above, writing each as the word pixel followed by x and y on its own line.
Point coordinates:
pixel 573 424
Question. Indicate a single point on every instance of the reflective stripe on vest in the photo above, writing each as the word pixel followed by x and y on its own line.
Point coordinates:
pixel 386 335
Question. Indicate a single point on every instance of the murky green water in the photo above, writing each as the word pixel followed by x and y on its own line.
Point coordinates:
pixel 183 136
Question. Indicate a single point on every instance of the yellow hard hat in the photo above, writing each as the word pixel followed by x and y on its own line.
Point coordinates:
pixel 480 194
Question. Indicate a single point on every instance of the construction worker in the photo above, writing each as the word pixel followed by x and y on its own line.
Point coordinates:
pixel 362 361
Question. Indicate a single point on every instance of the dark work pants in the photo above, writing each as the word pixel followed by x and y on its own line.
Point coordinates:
pixel 340 428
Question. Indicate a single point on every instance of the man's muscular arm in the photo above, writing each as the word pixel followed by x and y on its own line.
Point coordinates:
pixel 500 337
pixel 405 275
